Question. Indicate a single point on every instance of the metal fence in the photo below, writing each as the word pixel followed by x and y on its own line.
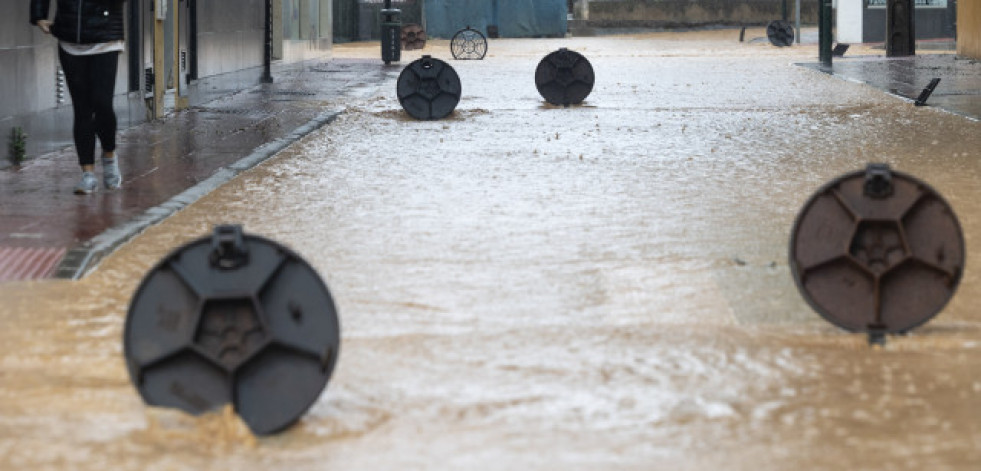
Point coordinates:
pixel 512 18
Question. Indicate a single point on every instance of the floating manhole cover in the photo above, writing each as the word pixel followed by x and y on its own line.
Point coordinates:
pixel 780 33
pixel 233 318
pixel 468 43
pixel 877 251
pixel 413 37
pixel 564 77
pixel 429 88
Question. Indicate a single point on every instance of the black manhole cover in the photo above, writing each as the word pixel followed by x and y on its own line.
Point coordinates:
pixel 233 318
pixel 413 37
pixel 780 33
pixel 429 88
pixel 564 77
pixel 877 251
pixel 468 43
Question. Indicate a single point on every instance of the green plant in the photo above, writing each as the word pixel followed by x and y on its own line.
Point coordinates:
pixel 18 145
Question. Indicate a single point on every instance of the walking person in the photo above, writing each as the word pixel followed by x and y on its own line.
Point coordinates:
pixel 90 37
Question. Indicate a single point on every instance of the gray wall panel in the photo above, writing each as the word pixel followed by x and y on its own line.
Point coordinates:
pixel 11 89
pixel 229 42
pixel 15 27
pixel 8 29
pixel 28 82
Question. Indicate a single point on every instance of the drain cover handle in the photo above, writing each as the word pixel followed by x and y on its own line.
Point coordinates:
pixel 228 250
pixel 878 181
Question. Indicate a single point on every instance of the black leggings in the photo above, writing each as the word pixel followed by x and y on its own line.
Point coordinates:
pixel 91 82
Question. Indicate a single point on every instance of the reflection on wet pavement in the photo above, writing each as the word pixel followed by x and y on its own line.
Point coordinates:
pixel 525 287
pixel 959 90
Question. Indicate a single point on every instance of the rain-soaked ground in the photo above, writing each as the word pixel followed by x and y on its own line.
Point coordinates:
pixel 528 287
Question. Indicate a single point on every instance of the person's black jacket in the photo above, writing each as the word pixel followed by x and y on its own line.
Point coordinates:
pixel 83 21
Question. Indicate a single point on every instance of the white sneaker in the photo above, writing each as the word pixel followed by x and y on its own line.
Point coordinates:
pixel 111 177
pixel 87 184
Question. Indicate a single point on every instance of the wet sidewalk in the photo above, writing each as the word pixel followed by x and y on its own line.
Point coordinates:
pixel 959 90
pixel 46 230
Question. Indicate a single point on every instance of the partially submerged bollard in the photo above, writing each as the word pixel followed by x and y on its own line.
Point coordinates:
pixel 233 318
pixel 780 33
pixel 429 88
pixel 877 251
pixel 564 78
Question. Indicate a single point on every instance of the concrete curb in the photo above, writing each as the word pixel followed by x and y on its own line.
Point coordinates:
pixel 82 259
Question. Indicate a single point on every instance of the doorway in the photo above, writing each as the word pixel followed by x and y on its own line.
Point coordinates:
pixel 163 54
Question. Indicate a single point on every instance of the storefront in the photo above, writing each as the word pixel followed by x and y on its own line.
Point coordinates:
pixel 179 53
pixel 864 21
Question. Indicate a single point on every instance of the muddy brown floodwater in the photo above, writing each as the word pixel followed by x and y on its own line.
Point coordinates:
pixel 528 287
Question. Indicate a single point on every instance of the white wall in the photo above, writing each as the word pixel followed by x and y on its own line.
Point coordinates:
pixel 849 19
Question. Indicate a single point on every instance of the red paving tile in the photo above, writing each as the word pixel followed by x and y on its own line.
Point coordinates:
pixel 28 263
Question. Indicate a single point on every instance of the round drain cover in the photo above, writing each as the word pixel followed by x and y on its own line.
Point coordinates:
pixel 429 88
pixel 413 37
pixel 233 318
pixel 780 33
pixel 468 43
pixel 877 251
pixel 564 78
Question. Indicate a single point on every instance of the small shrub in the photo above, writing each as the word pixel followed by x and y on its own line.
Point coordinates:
pixel 18 145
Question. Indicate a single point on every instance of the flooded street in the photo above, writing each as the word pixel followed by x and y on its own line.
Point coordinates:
pixel 522 286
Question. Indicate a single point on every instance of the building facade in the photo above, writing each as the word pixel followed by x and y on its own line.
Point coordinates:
pixel 864 21
pixel 197 51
